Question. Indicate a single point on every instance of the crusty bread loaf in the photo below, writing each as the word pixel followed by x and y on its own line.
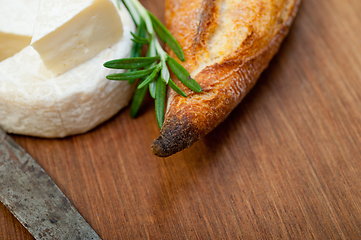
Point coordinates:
pixel 227 44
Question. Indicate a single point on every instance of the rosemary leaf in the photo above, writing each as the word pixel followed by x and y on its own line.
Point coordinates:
pixel 131 81
pixel 137 101
pixel 176 88
pixel 160 101
pixel 165 73
pixel 136 40
pixel 131 75
pixel 137 48
pixel 139 40
pixel 183 75
pixel 149 78
pixel 167 37
pixel 131 63
pixel 152 88
pixel 139 94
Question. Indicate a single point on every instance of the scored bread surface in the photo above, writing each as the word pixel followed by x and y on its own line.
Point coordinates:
pixel 227 44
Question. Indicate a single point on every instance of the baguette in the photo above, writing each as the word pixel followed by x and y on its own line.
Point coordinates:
pixel 227 44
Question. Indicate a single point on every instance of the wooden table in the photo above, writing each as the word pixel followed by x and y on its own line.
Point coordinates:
pixel 285 164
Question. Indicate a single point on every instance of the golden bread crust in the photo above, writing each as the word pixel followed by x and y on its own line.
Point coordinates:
pixel 227 44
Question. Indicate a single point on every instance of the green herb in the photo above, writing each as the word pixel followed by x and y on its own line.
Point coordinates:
pixel 152 70
pixel 183 75
pixel 152 88
pixel 140 40
pixel 131 75
pixel 131 63
pixel 176 88
pixel 160 101
pixel 166 37
pixel 150 77
pixel 137 48
pixel 137 101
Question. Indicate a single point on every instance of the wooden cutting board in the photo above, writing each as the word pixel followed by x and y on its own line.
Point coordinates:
pixel 285 164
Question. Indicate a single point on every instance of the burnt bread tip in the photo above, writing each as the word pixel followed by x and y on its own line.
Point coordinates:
pixel 178 134
pixel 227 45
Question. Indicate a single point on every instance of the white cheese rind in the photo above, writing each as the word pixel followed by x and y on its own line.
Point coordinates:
pixel 70 32
pixel 32 102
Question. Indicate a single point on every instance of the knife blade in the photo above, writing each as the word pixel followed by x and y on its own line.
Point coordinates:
pixel 34 199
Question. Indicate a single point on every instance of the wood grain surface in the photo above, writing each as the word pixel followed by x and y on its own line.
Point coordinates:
pixel 286 164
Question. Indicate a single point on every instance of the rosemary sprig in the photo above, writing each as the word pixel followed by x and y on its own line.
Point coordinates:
pixel 152 70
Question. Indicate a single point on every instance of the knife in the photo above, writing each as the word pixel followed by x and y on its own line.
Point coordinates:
pixel 34 199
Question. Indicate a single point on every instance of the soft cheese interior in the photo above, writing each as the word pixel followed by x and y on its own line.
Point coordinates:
pixel 35 102
pixel 70 32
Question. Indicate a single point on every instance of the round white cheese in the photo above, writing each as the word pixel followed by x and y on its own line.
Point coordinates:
pixel 35 102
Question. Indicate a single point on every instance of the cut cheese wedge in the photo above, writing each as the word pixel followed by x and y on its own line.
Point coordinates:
pixel 11 44
pixel 17 19
pixel 70 32
pixel 33 102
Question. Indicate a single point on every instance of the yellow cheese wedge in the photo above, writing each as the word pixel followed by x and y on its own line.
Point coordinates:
pixel 11 44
